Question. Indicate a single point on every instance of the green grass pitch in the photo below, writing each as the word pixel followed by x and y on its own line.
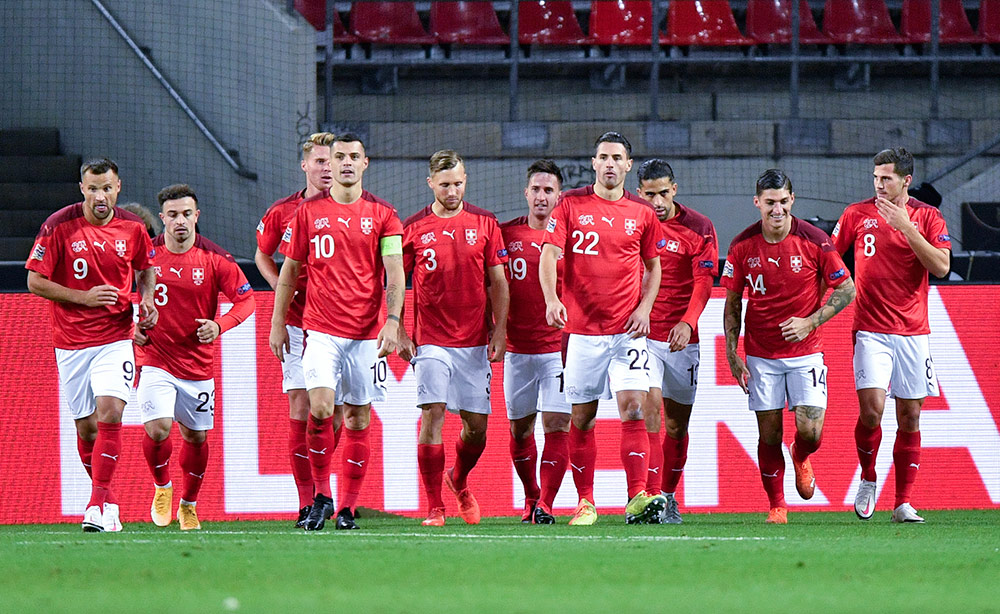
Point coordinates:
pixel 819 562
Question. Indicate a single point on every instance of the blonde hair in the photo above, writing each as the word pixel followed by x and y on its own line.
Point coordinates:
pixel 444 160
pixel 324 139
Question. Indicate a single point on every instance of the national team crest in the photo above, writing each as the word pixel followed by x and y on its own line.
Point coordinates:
pixel 367 225
pixel 796 263
pixel 470 236
pixel 121 246
pixel 198 276
pixel 673 246
pixel 630 227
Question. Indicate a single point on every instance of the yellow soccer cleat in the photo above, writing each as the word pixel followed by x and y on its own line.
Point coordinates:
pixel 163 500
pixel 643 507
pixel 585 514
pixel 188 517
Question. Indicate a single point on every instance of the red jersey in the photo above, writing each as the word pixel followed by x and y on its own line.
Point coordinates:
pixel 341 246
pixel 785 279
pixel 604 243
pixel 76 254
pixel 692 250
pixel 892 284
pixel 527 331
pixel 270 229
pixel 449 258
pixel 188 287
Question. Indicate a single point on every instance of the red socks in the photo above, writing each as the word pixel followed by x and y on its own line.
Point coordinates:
pixel 803 447
pixel 298 454
pixel 906 458
pixel 582 458
pixel 654 475
pixel 555 457
pixel 353 465
pixel 319 440
pixel 867 441
pixel 675 456
pixel 466 457
pixel 524 455
pixel 772 472
pixel 107 449
pixel 157 455
pixel 635 455
pixel 430 460
pixel 194 461
pixel 86 450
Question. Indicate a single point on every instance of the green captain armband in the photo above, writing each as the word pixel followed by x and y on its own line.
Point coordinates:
pixel 392 246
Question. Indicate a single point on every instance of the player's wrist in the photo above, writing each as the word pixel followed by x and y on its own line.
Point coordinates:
pixel 392 318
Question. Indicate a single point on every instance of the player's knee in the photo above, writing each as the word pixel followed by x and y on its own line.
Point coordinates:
pixel 158 430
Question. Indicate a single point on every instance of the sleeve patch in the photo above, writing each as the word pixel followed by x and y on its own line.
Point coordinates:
pixel 39 252
pixel 705 264
pixel 551 226
pixel 260 227
pixel 944 238
pixel 287 237
pixel 243 289
pixel 838 274
pixel 727 270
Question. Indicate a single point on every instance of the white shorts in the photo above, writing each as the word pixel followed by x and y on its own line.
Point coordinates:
pixel 101 371
pixel 674 373
pixel 598 366
pixel 800 380
pixel 458 377
pixel 898 364
pixel 292 376
pixel 190 402
pixel 533 383
pixel 351 367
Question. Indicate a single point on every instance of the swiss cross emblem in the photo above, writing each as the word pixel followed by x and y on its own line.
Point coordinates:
pixel 121 247
pixel 796 264
pixel 673 246
pixel 630 227
pixel 198 275
pixel 470 236
pixel 366 225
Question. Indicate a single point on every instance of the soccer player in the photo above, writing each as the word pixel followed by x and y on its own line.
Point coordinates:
pixel 456 255
pixel 84 260
pixel 688 265
pixel 349 239
pixel 533 369
pixel 897 240
pixel 611 241
pixel 785 264
pixel 315 164
pixel 177 357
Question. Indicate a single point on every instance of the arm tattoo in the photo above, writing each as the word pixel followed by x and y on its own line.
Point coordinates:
pixel 392 297
pixel 731 321
pixel 841 297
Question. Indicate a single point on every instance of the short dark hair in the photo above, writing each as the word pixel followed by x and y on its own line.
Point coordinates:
pixel 174 192
pixel 545 166
pixel 614 137
pixel 773 179
pixel 655 169
pixel 98 166
pixel 349 137
pixel 901 160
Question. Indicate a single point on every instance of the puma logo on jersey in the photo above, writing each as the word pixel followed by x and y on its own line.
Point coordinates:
pixel 176 271
pixel 639 454
pixel 610 221
pixel 578 469
pixel 346 222
pixel 775 261
pixel 106 455
pixel 101 245
pixel 536 246
pixel 450 233
pixel 323 451
pixel 354 462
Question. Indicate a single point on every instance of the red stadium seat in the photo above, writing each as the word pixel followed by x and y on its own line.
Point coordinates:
pixel 388 23
pixel 707 23
pixel 989 20
pixel 621 22
pixel 466 23
pixel 549 23
pixel 954 29
pixel 315 13
pixel 859 21
pixel 770 22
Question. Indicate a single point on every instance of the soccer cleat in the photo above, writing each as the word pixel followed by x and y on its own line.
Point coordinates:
pixel 435 518
pixel 670 514
pixel 529 510
pixel 163 500
pixel 905 513
pixel 643 507
pixel 187 517
pixel 322 509
pixel 93 520
pixel 805 479
pixel 584 514
pixel 110 518
pixel 542 515
pixel 777 515
pixel 345 520
pixel 303 514
pixel 468 507
pixel 864 501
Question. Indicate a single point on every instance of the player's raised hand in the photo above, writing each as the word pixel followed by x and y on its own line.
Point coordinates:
pixel 148 314
pixel 739 370
pixel 278 340
pixel 208 330
pixel 637 324
pixel 406 349
pixel 388 338
pixel 896 215
pixel 102 295
pixel 794 330
pixel 555 314
pixel 679 336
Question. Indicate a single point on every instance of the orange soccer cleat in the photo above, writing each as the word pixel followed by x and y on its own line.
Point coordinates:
pixel 777 515
pixel 468 507
pixel 435 518
pixel 805 479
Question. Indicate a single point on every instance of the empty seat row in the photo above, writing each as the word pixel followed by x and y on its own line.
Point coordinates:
pixel 629 23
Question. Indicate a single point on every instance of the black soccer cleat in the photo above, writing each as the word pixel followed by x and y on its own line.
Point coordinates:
pixel 540 516
pixel 303 514
pixel 345 520
pixel 322 508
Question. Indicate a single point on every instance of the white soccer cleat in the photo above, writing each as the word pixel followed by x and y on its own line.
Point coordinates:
pixel 110 519
pixel 905 513
pixel 864 501
pixel 92 520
